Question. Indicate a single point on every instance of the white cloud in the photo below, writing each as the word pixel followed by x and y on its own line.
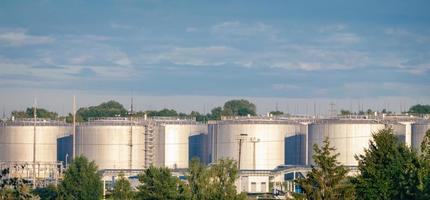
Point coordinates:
pixel 191 29
pixel 197 56
pixel 238 29
pixel 21 38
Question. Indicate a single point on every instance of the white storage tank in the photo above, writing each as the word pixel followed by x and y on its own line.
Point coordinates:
pixel 16 144
pixel 172 141
pixel 263 144
pixel 349 137
pixel 419 130
pixel 113 143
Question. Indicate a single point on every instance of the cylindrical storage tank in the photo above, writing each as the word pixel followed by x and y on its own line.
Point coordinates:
pixel 349 137
pixel 258 144
pixel 402 130
pixel 17 140
pixel 112 143
pixel 419 130
pixel 172 143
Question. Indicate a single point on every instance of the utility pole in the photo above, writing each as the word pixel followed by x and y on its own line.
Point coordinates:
pixel 74 127
pixel 130 139
pixel 254 140
pixel 241 138
pixel 34 142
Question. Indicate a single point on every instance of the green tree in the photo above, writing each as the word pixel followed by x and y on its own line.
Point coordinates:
pixel 223 175
pixel 388 169
pixel 198 180
pixel 345 112
pixel 122 189
pixel 40 112
pixel 275 113
pixel 327 179
pixel 81 181
pixel 216 113
pixel 420 109
pixel 14 188
pixel 159 184
pixel 47 193
pixel 106 109
pixel 425 167
pixel 239 108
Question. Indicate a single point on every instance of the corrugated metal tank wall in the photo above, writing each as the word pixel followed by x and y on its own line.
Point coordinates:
pixel 16 142
pixel 273 143
pixel 173 143
pixel 348 137
pixel 419 130
pixel 108 144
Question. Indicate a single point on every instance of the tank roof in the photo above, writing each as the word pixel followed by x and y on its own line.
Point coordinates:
pixel 31 121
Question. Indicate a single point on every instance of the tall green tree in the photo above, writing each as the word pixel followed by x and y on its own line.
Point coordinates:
pixel 214 182
pixel 198 180
pixel 388 169
pixel 327 179
pixel 122 189
pixel 81 181
pixel 240 107
pixel 425 167
pixel 223 175
pixel 159 184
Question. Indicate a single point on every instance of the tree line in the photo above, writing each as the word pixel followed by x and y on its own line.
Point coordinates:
pixel 82 181
pixel 237 107
pixel 114 109
pixel 388 169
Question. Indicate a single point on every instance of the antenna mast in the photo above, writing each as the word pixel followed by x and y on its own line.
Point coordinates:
pixel 74 127
pixel 34 142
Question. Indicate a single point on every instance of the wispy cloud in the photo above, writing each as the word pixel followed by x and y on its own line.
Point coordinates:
pixel 22 38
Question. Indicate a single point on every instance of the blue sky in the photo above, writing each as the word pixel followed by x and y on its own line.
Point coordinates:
pixel 308 50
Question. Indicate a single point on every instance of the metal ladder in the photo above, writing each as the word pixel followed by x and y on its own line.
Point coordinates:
pixel 149 144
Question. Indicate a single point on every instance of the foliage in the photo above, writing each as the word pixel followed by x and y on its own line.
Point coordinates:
pixel 48 193
pixel 239 108
pixel 40 113
pixel 198 180
pixel 327 179
pixel 425 167
pixel 14 188
pixel 163 113
pixel 223 175
pixel 81 181
pixel 216 113
pixel 275 113
pixel 345 112
pixel 159 184
pixel 106 109
pixel 420 109
pixel 388 169
pixel 122 189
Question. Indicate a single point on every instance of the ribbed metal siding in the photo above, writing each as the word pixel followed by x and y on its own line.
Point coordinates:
pixel 349 139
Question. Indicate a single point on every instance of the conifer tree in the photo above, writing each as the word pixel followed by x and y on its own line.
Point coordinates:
pixel 327 179
pixel 388 169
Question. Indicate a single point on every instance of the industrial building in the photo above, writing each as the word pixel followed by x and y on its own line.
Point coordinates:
pixel 418 132
pixel 258 143
pixel 29 145
pixel 268 150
